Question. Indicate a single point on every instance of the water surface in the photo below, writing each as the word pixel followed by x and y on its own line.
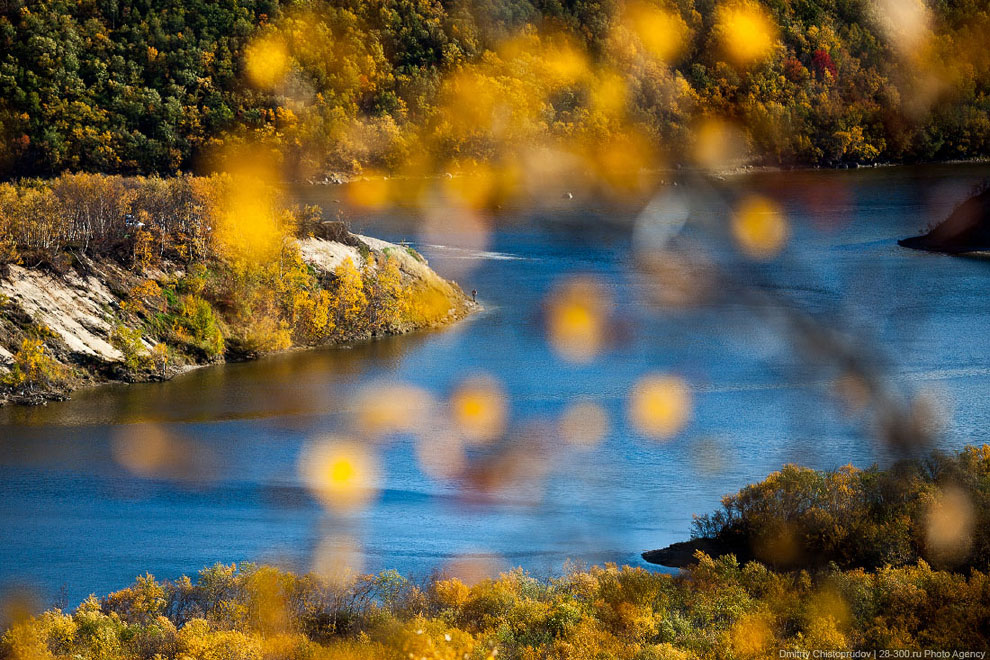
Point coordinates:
pixel 69 517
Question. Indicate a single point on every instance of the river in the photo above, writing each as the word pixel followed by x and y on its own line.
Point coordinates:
pixel 72 521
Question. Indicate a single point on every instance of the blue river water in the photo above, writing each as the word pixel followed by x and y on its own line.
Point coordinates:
pixel 72 520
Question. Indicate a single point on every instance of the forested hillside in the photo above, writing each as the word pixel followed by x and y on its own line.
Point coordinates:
pixel 391 85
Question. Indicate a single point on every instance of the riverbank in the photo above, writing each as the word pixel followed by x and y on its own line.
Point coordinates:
pixel 723 607
pixel 131 298
pixel 720 609
pixel 684 554
pixel 92 334
pixel 965 232
pixel 799 518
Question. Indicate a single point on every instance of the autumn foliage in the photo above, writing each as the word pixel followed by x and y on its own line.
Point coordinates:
pixel 208 268
pixel 386 86
pixel 720 610
pixel 935 510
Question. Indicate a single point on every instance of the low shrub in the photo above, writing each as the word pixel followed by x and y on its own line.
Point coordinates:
pixel 721 609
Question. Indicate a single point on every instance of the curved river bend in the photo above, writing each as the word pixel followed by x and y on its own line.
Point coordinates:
pixel 69 517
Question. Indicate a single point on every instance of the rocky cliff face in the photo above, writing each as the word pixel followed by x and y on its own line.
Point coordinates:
pixel 79 318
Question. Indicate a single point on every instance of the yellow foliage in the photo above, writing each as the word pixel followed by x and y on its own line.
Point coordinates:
pixel 746 31
pixel 198 642
pixel 451 592
pixel 267 62
pixel 161 358
pixel 244 286
pixel 388 302
pixel 251 229
pixel 143 252
pixel 425 638
pixel 824 633
pixel 141 602
pixel 719 609
pixel 129 341
pixel 34 368
pixel 349 298
pixel 751 636
pixel 141 294
pixel 25 641
pixel 266 334
pixel 427 305
pixel 662 33
pixel 197 324
pixel 312 316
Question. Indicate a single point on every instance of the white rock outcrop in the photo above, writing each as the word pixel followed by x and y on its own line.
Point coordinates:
pixel 77 309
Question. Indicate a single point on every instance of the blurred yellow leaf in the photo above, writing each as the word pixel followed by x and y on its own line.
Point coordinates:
pixel 759 227
pixel 660 406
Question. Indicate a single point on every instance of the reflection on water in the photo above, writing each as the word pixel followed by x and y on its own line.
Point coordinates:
pixel 73 513
pixel 293 384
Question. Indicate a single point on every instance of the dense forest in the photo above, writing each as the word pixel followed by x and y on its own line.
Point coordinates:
pixel 412 86
pixel 720 609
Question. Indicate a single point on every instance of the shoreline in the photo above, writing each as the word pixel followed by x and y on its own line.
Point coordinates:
pixel 965 232
pixel 683 554
pixel 43 399
pixel 470 309
pixel 89 328
pixel 333 179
